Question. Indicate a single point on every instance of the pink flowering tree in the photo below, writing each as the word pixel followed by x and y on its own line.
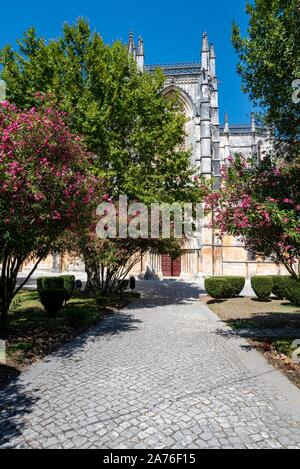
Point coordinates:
pixel 45 187
pixel 261 204
pixel 110 259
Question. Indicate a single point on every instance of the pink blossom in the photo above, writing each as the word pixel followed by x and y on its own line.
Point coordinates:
pixel 266 216
pixel 56 215
pixel 5 104
pixel 107 198
pixel 246 203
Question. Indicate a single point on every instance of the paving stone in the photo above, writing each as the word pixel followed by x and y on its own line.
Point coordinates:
pixel 163 373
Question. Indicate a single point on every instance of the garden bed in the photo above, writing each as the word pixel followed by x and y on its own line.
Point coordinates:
pixel 253 315
pixel 278 353
pixel 31 334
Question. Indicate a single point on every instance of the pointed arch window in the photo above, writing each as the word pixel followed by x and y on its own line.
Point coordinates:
pixel 187 109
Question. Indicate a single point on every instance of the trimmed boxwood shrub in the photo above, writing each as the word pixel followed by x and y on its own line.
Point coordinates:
pixel 262 286
pixel 49 283
pixel 69 285
pixel 52 299
pixel 216 287
pixel 279 286
pixel 66 282
pixel 292 290
pixel 225 286
pixel 235 285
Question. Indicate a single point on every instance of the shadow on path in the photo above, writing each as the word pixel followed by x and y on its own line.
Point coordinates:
pixel 166 292
pixel 15 403
pixel 112 325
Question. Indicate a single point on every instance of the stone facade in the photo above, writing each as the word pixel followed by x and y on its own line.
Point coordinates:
pixel 196 85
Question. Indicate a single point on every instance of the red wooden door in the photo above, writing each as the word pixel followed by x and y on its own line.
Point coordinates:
pixel 171 268
pixel 176 267
pixel 166 266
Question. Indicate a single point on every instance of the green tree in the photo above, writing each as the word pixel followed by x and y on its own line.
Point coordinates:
pixel 125 120
pixel 270 63
pixel 136 132
pixel 45 187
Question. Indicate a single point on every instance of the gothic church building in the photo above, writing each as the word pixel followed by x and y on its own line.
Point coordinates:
pixel 196 85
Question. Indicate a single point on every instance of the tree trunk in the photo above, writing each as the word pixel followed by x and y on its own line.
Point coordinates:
pixel 93 277
pixel 8 283
pixel 4 312
pixel 291 270
pixel 5 301
pixel 89 283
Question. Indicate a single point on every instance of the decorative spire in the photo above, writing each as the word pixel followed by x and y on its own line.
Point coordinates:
pixel 205 52
pixel 140 50
pixel 226 128
pixel 205 47
pixel 253 123
pixel 131 46
pixel 205 113
pixel 212 61
pixel 227 146
pixel 140 55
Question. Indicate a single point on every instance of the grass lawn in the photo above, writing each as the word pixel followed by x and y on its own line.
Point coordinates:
pixel 244 313
pixel 31 333
pixel 249 313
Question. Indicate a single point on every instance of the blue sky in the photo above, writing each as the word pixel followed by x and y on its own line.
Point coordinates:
pixel 171 29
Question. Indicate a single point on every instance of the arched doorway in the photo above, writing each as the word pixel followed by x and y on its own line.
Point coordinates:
pixel 171 267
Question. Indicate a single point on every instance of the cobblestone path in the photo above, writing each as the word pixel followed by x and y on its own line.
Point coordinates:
pixel 163 373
